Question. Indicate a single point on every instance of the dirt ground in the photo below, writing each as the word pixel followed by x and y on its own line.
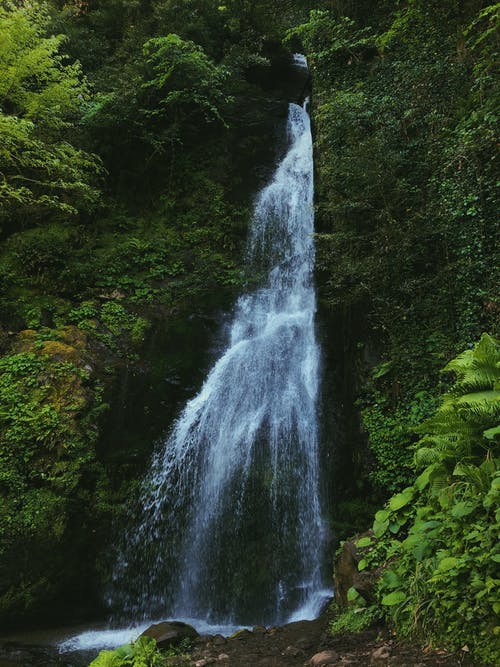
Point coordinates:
pixel 294 645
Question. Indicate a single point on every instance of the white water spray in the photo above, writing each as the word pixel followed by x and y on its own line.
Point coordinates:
pixel 230 527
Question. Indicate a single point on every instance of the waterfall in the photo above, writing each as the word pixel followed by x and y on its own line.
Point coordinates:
pixel 229 527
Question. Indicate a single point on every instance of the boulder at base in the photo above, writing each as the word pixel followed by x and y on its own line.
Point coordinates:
pixel 170 633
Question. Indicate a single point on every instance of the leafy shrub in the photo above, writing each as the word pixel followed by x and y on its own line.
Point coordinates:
pixel 141 653
pixel 437 539
pixel 41 95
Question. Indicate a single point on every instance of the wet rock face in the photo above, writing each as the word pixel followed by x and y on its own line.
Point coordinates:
pixel 170 633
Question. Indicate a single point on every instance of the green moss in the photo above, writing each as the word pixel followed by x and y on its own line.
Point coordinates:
pixel 47 437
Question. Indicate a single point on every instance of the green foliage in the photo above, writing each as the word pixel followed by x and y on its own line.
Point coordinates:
pixel 48 412
pixel 332 42
pixel 391 430
pixel 141 653
pixel 405 110
pixel 437 540
pixel 184 77
pixel 41 96
pixel 470 409
pixel 121 323
pixel 406 170
pixel 354 619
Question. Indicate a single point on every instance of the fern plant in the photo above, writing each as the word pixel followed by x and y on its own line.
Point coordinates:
pixel 141 653
pixel 436 542
pixel 466 425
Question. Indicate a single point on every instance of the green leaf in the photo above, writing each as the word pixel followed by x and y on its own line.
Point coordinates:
pixel 394 598
pixel 364 542
pixel 382 515
pixel 492 433
pixel 462 509
pixel 419 551
pixel 352 595
pixel 448 563
pixel 380 527
pixel 391 579
pixel 423 479
pixel 382 369
pixel 362 564
pixel 394 527
pixel 401 499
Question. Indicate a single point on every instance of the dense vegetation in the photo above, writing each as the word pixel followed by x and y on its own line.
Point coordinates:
pixel 405 109
pixel 435 543
pixel 132 136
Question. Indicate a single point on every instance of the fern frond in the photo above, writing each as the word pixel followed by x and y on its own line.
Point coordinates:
pixel 477 476
pixel 476 369
pixel 471 407
pixel 426 456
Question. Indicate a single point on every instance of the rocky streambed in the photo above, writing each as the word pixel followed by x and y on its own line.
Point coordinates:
pixel 304 643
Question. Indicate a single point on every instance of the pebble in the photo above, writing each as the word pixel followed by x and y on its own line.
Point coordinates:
pixel 381 653
pixel 324 659
pixel 292 651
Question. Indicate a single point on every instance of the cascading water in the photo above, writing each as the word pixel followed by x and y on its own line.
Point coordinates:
pixel 229 527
